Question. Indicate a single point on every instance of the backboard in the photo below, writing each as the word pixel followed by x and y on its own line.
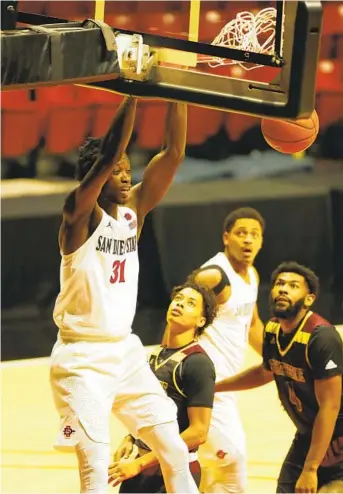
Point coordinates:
pixel 272 75
pixel 211 54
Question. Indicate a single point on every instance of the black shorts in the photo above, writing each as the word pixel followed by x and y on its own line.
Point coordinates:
pixel 295 459
pixel 154 483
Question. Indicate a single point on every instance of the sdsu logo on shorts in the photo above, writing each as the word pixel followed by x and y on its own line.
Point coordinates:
pixel 68 431
pixel 221 454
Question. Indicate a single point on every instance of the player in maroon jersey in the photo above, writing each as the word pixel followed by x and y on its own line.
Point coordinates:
pixel 303 353
pixel 187 375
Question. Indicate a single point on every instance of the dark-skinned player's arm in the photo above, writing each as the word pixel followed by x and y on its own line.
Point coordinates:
pixel 199 423
pixel 215 278
pixel 254 377
pixel 328 394
pixel 81 202
pixel 255 336
pixel 325 356
pixel 198 385
pixel 159 173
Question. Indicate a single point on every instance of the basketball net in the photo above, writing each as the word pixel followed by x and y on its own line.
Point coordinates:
pixel 247 32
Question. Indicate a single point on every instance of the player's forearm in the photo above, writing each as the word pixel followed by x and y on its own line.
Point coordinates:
pixel 322 432
pixel 160 172
pixel 112 149
pixel 256 336
pixel 194 436
pixel 248 379
pixel 176 129
pixel 147 461
pixel 119 134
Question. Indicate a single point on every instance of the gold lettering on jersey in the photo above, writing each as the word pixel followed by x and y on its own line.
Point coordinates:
pixel 245 309
pixel 116 247
pixel 164 385
pixel 283 369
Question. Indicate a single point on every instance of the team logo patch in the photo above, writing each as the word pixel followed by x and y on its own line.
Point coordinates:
pixel 68 431
pixel 133 223
pixel 221 454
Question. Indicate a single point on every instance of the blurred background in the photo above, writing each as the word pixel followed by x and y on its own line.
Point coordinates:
pixel 228 164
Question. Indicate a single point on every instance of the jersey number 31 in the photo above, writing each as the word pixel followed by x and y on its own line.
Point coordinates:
pixel 118 272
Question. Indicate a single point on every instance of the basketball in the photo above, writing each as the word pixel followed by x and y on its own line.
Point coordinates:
pixel 290 136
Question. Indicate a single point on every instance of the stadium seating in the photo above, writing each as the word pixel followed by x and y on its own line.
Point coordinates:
pixel 66 122
pixel 20 124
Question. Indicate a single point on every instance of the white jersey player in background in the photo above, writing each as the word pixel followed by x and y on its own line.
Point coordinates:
pixel 235 281
pixel 97 363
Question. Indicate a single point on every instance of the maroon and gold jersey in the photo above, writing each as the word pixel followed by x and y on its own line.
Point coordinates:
pixel 187 375
pixel 312 351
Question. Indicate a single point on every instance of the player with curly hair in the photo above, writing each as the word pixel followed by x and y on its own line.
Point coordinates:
pixel 97 364
pixel 187 375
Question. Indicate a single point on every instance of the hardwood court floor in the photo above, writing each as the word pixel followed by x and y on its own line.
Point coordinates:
pixel 29 426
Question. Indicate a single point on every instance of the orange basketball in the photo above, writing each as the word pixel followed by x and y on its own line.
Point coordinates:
pixel 290 136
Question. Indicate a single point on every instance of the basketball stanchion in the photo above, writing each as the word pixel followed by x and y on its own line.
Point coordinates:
pixel 99 10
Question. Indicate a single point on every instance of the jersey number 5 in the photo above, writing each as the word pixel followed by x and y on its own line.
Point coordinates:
pixel 118 274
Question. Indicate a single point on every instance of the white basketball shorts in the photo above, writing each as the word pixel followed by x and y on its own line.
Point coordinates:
pixel 88 379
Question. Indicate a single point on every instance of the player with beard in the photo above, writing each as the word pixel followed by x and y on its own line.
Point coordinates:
pixel 303 353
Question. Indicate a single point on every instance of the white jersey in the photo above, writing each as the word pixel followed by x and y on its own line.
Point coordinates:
pixel 226 339
pixel 99 282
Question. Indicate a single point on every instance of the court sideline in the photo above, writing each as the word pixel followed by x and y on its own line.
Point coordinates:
pixel 29 424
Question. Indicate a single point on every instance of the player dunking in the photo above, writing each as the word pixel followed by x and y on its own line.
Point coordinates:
pixel 235 281
pixel 303 353
pixel 188 377
pixel 97 363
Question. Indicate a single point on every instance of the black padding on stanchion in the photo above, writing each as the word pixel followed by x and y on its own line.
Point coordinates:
pixel 30 58
pixel 8 17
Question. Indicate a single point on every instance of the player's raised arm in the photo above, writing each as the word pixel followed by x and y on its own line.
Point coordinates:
pixel 82 200
pixel 160 172
pixel 215 278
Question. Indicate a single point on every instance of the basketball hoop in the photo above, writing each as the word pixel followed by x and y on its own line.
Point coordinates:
pixel 248 32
